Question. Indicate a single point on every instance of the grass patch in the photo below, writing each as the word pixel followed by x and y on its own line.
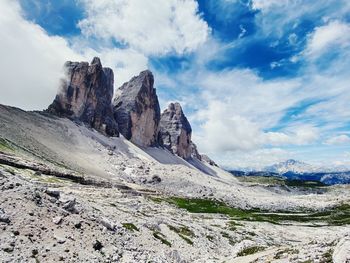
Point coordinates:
pixel 157 200
pixel 226 235
pixel 5 146
pixel 266 180
pixel 338 215
pixel 327 257
pixel 161 237
pixel 232 225
pixel 276 181
pixel 288 251
pixel 184 232
pixel 250 250
pixel 187 240
pixel 130 227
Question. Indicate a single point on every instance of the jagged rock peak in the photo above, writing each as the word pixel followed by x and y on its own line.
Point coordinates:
pixel 85 95
pixel 175 132
pixel 136 110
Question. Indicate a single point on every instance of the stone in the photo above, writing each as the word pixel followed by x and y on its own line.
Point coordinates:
pixel 60 240
pixel 107 223
pixel 155 179
pixel 175 131
pixel 53 193
pixel 57 220
pixel 78 224
pixel 136 110
pixel 68 203
pixel 97 245
pixel 4 217
pixel 7 248
pixel 86 96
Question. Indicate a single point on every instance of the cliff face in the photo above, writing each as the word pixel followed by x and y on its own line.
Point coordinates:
pixel 86 96
pixel 175 131
pixel 136 110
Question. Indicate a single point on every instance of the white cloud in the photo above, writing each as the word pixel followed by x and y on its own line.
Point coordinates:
pixel 152 27
pixel 125 63
pixel 31 61
pixel 338 140
pixel 238 108
pixel 333 35
pixel 254 160
pixel 264 5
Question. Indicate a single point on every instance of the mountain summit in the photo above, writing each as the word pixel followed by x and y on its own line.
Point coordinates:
pixel 136 110
pixel 86 95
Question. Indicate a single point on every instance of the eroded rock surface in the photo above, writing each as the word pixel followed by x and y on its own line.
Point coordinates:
pixel 175 132
pixel 86 96
pixel 136 109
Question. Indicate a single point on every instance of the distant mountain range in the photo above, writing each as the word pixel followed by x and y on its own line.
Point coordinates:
pixel 297 170
pixel 302 167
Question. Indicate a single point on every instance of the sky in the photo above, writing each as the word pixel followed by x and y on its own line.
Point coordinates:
pixel 261 81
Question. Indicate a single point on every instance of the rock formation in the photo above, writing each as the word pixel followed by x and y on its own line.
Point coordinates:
pixel 175 132
pixel 86 96
pixel 205 158
pixel 136 110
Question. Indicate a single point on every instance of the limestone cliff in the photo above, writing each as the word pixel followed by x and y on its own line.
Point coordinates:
pixel 136 110
pixel 175 132
pixel 86 95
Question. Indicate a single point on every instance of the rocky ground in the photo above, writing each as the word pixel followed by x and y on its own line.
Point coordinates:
pixel 70 194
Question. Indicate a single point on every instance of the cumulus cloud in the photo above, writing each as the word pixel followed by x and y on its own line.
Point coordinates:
pixel 334 34
pixel 145 28
pixel 152 27
pixel 338 140
pixel 239 109
pixel 31 61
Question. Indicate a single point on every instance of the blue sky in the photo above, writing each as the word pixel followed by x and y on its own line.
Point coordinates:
pixel 261 80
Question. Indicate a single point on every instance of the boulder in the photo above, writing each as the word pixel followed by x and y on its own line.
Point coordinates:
pixel 175 132
pixel 136 110
pixel 86 96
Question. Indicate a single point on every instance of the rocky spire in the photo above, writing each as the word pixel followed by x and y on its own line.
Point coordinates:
pixel 175 132
pixel 86 96
pixel 136 110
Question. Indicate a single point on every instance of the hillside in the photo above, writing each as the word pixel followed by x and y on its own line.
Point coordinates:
pixel 73 190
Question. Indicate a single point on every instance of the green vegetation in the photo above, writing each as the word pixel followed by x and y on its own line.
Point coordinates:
pixel 267 180
pixel 327 257
pixel 272 180
pixel 187 240
pixel 250 250
pixel 130 227
pixel 306 184
pixel 288 251
pixel 5 146
pixel 338 215
pixel 184 232
pixel 232 225
pixel 161 237
pixel 230 240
